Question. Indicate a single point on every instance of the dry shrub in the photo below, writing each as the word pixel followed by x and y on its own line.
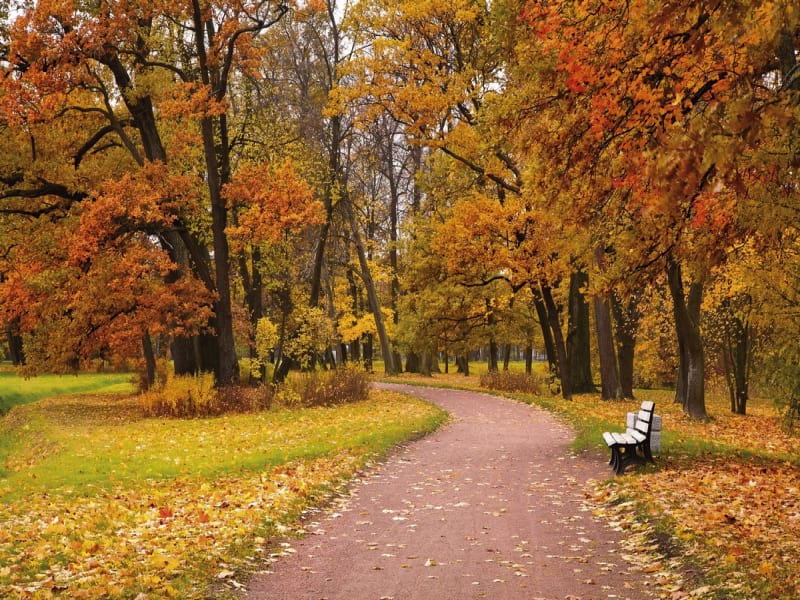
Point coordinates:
pixel 506 381
pixel 195 395
pixel 325 388
pixel 238 398
pixel 183 396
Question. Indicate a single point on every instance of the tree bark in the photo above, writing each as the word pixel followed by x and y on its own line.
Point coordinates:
pixel 462 364
pixel 149 360
pixel 372 296
pixel 686 310
pixel 15 349
pixel 506 356
pixel 528 359
pixel 547 335
pixel 579 351
pixel 736 351
pixel 627 324
pixel 609 370
pixel 558 342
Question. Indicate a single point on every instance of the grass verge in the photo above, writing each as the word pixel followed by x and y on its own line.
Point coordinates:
pixel 110 504
pixel 16 390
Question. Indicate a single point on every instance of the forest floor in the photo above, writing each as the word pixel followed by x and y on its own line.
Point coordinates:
pixel 493 505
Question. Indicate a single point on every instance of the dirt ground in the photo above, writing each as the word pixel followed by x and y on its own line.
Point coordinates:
pixel 489 506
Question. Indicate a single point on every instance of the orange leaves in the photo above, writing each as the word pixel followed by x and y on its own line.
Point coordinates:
pixel 745 512
pixel 276 202
pixel 192 100
pixel 148 198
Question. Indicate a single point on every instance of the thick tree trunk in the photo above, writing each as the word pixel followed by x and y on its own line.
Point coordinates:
pixel 462 364
pixel 579 351
pixel 426 364
pixel 412 362
pixel 227 371
pixel 492 366
pixel 627 324
pixel 609 370
pixel 372 296
pixel 558 342
pixel 686 310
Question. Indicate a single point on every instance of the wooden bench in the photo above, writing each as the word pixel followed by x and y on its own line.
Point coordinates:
pixel 633 446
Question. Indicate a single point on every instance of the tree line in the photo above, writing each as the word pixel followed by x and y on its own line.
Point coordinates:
pixel 612 182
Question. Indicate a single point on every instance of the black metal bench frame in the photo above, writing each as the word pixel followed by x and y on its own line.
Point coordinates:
pixel 633 446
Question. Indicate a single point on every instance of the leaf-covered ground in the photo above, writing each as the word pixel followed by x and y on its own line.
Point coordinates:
pixel 725 496
pixel 99 502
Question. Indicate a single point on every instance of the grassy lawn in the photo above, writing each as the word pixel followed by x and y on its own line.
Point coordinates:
pixel 96 501
pixel 17 390
pixel 722 502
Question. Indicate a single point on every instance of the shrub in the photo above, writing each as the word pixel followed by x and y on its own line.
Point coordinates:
pixel 325 388
pixel 183 396
pixel 507 381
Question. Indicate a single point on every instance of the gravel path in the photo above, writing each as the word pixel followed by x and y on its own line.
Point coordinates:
pixel 489 506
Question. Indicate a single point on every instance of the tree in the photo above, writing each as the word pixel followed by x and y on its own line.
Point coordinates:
pixel 671 120
pixel 144 72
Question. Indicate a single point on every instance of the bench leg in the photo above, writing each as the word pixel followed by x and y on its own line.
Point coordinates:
pixel 648 454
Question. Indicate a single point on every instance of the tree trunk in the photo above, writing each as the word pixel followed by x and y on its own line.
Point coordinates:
pixel 372 296
pixel 627 322
pixel 227 371
pixel 425 366
pixel 492 363
pixel 412 362
pixel 368 353
pixel 558 342
pixel 609 370
pixel 686 310
pixel 506 356
pixel 462 364
pixel 579 351
pixel 547 335
pixel 736 352
pixel 15 350
pixel 528 359
pixel 149 360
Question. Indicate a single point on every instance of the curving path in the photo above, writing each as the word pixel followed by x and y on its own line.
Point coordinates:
pixel 489 506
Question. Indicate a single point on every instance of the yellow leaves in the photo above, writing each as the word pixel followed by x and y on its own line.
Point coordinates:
pixel 164 563
pixel 766 568
pixel 163 538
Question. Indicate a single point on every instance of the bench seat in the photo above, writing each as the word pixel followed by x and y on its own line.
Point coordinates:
pixel 632 446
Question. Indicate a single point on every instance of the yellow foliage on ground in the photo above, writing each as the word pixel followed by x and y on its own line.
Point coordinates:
pixel 165 508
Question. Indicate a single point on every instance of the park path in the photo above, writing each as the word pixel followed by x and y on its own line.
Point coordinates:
pixel 488 506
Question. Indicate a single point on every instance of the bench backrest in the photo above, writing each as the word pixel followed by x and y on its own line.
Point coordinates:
pixel 644 420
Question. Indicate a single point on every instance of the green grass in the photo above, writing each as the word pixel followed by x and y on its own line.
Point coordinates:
pixel 16 390
pixel 82 444
pixel 89 483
